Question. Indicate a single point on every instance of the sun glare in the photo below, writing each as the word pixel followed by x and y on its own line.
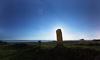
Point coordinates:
pixel 62 29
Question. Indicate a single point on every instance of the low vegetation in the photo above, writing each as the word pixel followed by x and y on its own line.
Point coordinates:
pixel 49 51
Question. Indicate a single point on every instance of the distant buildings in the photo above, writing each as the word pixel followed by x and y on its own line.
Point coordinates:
pixel 82 40
pixel 96 40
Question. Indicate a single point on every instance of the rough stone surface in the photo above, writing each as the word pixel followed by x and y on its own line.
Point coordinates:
pixel 59 37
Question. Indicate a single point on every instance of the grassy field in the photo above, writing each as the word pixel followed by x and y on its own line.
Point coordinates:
pixel 49 51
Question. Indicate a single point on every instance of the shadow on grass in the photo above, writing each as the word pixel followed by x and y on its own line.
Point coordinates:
pixel 56 53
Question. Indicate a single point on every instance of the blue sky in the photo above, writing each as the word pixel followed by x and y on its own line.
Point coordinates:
pixel 39 19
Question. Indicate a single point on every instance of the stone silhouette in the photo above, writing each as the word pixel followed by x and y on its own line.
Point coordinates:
pixel 59 37
pixel 39 43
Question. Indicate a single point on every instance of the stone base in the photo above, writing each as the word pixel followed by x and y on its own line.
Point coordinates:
pixel 59 45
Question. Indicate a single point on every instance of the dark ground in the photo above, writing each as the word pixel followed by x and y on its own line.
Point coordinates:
pixel 31 51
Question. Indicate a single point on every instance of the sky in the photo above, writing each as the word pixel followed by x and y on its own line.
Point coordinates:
pixel 39 19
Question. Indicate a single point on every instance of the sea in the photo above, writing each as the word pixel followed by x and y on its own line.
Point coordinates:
pixel 32 40
pixel 27 40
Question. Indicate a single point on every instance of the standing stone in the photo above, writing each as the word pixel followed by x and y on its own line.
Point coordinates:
pixel 59 37
pixel 39 43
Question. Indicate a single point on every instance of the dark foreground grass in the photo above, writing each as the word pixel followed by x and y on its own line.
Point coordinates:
pixel 48 51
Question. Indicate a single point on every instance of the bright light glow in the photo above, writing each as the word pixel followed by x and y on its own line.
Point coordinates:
pixel 68 35
pixel 62 29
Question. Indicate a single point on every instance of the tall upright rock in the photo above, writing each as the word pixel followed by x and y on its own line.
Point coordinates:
pixel 59 37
